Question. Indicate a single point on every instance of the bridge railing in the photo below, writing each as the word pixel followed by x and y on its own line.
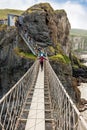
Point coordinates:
pixel 11 104
pixel 65 113
pixel 27 42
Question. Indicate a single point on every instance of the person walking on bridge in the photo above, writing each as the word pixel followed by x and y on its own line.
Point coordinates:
pixel 42 58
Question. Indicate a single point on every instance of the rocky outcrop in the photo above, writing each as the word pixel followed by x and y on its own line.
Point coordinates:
pixel 47 26
pixel 64 73
pixel 80 72
pixel 78 44
pixel 78 69
pixel 12 66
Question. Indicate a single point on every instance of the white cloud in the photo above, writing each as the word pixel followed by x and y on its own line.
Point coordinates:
pixel 16 4
pixel 75 12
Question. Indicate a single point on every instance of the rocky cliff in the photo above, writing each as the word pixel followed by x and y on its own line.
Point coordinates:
pixel 64 73
pixel 78 39
pixel 78 43
pixel 49 28
pixel 12 66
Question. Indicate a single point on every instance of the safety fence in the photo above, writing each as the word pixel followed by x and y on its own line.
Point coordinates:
pixel 65 114
pixel 11 104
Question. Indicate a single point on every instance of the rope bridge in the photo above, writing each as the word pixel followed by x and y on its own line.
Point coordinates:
pixel 64 114
pixel 11 104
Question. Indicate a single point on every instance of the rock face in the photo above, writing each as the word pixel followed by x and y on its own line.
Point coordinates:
pixel 48 26
pixel 80 72
pixel 12 66
pixel 64 73
pixel 78 43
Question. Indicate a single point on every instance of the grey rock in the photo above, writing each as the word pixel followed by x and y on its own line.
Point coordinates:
pixel 48 26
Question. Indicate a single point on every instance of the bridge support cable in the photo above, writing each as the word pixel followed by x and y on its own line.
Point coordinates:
pixel 65 113
pixel 11 104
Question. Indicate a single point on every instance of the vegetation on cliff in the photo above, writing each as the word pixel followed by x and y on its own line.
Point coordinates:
pixel 23 54
pixel 3 27
pixel 62 58
pixel 78 39
pixel 79 70
pixel 40 7
pixel 5 12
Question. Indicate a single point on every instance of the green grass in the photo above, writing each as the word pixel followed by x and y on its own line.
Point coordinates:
pixel 76 63
pixel 75 66
pixel 24 54
pixel 3 27
pixel 5 12
pixel 61 58
pixel 78 32
pixel 60 12
pixel 41 6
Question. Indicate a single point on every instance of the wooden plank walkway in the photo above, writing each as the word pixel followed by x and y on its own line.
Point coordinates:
pixel 36 116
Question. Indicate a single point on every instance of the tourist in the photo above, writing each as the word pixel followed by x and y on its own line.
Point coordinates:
pixel 42 58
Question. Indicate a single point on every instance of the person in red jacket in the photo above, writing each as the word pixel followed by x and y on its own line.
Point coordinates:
pixel 41 61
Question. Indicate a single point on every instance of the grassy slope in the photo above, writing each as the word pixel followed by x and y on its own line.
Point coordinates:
pixel 24 54
pixel 78 32
pixel 4 12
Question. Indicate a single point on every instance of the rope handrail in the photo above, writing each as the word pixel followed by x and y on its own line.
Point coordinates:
pixel 27 42
pixel 66 114
pixel 11 104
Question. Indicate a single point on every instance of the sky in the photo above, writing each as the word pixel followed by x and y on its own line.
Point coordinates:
pixel 76 9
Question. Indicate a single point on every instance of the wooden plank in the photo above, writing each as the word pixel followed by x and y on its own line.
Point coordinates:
pixel 36 117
